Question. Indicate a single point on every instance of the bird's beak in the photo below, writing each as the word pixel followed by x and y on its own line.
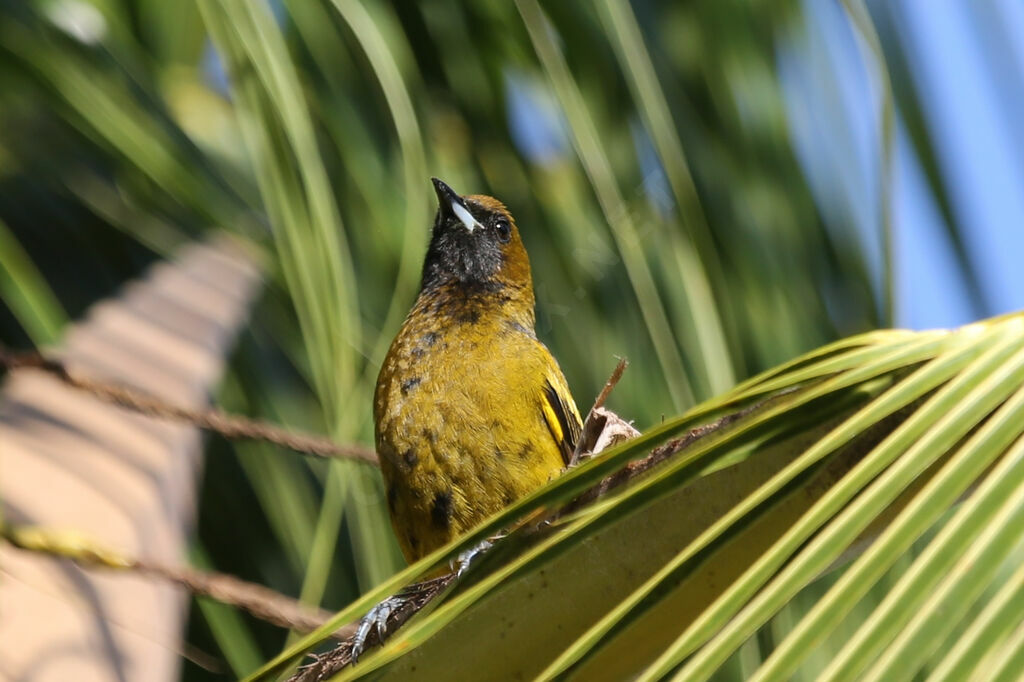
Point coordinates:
pixel 451 202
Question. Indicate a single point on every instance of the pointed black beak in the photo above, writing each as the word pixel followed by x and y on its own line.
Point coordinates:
pixel 452 205
pixel 446 195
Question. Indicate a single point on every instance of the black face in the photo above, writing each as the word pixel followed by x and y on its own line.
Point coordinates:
pixel 471 257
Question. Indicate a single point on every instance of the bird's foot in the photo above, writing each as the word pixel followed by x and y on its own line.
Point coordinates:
pixel 377 616
pixel 466 558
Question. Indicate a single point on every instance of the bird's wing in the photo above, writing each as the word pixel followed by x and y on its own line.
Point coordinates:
pixel 560 414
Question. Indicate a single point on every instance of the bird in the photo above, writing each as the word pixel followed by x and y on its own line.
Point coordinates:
pixel 471 411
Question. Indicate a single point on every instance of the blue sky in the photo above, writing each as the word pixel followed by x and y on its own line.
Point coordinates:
pixel 967 60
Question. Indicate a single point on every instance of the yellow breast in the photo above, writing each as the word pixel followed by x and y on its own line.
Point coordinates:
pixel 464 425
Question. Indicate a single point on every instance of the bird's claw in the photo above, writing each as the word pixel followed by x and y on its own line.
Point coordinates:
pixel 377 616
pixel 464 559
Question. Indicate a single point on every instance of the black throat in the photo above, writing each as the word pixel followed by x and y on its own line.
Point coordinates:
pixel 456 256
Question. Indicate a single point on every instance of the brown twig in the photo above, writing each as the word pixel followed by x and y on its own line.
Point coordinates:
pixel 610 384
pixel 261 602
pixel 228 425
pixel 591 426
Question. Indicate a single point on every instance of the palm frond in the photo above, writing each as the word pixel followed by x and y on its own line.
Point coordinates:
pixel 870 442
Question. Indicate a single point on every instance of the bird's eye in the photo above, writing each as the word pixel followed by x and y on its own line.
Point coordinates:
pixel 503 228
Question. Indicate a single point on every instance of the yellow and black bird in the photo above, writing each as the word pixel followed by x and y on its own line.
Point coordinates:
pixel 471 411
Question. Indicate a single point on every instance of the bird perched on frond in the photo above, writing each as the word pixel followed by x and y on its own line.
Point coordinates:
pixel 471 411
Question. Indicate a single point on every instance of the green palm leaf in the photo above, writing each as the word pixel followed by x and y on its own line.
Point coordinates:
pixel 873 438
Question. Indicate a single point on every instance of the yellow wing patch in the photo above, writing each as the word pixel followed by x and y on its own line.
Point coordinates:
pixel 562 418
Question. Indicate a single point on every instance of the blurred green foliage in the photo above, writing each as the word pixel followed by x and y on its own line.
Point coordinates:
pixel 642 148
